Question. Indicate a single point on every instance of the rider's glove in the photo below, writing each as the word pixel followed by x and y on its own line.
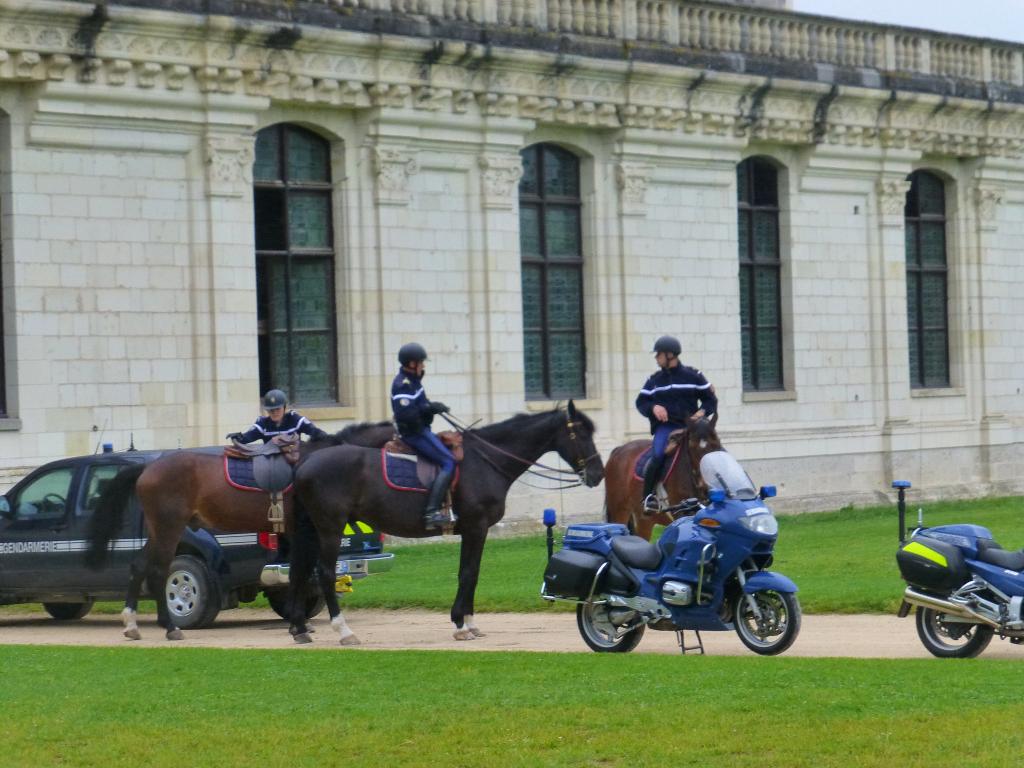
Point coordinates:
pixel 235 436
pixel 436 407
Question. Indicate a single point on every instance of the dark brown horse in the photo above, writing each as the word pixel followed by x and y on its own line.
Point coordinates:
pixel 344 483
pixel 182 486
pixel 623 490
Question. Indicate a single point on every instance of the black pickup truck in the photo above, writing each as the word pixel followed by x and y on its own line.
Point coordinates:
pixel 44 530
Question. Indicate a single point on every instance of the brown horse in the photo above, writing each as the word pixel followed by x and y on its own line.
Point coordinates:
pixel 341 484
pixel 179 488
pixel 622 489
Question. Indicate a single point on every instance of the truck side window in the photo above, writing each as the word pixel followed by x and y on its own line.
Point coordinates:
pixel 45 498
pixel 96 482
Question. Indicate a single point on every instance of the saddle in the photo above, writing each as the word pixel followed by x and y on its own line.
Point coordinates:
pixel 405 470
pixel 675 440
pixel 272 468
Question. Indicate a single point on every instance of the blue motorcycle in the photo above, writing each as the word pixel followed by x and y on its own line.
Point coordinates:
pixel 707 572
pixel 966 587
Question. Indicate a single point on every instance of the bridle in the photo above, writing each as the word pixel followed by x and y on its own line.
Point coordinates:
pixel 558 475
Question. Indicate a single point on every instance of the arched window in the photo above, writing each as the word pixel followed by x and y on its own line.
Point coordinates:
pixel 757 185
pixel 927 276
pixel 551 246
pixel 295 264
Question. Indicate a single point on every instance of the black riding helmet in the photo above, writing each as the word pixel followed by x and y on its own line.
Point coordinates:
pixel 411 353
pixel 275 398
pixel 669 345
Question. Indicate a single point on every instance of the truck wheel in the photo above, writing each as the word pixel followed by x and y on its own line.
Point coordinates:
pixel 192 593
pixel 68 611
pixel 278 599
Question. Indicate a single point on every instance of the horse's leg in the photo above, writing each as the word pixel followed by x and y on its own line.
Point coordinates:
pixel 129 615
pixel 329 547
pixel 470 553
pixel 302 561
pixel 156 578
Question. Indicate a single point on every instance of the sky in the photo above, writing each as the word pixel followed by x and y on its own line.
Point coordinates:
pixel 998 19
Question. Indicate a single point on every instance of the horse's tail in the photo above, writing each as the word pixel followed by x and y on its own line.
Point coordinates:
pixel 109 513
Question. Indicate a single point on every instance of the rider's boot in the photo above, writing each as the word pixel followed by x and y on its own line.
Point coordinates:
pixel 651 503
pixel 433 517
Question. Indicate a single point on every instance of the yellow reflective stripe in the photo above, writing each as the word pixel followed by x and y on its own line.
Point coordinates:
pixel 917 548
pixel 363 528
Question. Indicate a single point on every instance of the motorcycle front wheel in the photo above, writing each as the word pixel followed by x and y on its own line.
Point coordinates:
pixel 600 634
pixel 953 640
pixel 777 627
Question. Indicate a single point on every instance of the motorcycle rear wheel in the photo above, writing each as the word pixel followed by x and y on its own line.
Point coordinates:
pixel 601 635
pixel 778 626
pixel 946 641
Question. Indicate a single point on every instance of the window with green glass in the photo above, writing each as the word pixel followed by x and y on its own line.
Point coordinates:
pixel 927 281
pixel 757 184
pixel 295 264
pixel 551 247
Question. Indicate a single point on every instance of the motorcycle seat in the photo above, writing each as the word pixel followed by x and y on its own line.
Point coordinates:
pixel 637 552
pixel 992 553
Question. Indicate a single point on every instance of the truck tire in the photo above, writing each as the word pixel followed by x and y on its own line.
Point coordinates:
pixel 68 611
pixel 192 593
pixel 278 599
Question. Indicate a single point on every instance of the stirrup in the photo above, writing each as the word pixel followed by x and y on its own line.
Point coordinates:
pixel 435 519
pixel 652 504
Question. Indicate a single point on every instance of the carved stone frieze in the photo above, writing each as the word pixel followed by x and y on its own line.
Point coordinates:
pixel 499 178
pixel 393 168
pixel 332 70
pixel 631 179
pixel 229 159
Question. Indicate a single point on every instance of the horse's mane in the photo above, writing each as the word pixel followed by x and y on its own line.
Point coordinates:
pixel 521 418
pixel 347 434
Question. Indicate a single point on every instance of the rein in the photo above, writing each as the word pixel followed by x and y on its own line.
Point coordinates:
pixel 558 472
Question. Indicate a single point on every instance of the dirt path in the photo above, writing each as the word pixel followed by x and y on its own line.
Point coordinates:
pixel 866 636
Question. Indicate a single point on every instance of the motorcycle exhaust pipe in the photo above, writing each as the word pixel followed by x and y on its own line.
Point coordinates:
pixel 937 603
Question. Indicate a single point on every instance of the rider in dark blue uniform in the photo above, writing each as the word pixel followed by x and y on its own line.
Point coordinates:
pixel 668 399
pixel 278 421
pixel 414 414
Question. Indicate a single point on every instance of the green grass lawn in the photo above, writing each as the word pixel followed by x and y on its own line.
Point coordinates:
pixel 204 707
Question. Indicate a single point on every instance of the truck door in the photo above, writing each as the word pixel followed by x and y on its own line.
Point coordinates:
pixel 126 541
pixel 33 531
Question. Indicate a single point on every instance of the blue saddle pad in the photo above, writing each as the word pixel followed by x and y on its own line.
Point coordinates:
pixel 400 473
pixel 239 473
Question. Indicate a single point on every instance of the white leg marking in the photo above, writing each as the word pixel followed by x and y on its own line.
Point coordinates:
pixel 131 626
pixel 472 627
pixel 345 634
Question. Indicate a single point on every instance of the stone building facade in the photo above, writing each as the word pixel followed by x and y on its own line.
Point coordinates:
pixel 829 215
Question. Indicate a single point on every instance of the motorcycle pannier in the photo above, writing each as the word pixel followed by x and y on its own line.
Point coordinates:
pixel 570 573
pixel 932 565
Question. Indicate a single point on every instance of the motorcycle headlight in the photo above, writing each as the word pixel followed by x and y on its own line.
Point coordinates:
pixel 762 522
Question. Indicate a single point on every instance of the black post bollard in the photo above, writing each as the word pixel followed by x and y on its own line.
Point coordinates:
pixel 549 520
pixel 901 506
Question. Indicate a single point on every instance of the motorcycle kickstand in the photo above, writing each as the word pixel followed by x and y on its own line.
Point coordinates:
pixel 684 647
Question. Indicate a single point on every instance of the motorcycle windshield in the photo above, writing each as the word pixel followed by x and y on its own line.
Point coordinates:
pixel 720 470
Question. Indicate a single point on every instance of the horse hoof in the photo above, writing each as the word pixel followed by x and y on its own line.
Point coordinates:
pixel 175 634
pixel 476 632
pixel 350 640
pixel 303 638
pixel 133 634
pixel 464 634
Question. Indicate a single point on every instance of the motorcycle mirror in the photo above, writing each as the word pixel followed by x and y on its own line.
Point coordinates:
pixel 716 495
pixel 767 492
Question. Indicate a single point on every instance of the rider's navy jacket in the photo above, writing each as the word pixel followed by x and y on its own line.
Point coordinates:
pixel 681 390
pixel 412 409
pixel 291 423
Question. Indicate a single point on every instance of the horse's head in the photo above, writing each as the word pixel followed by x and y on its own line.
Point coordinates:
pixel 575 444
pixel 701 439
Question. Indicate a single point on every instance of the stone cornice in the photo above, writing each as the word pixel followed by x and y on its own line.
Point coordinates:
pixel 144 52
